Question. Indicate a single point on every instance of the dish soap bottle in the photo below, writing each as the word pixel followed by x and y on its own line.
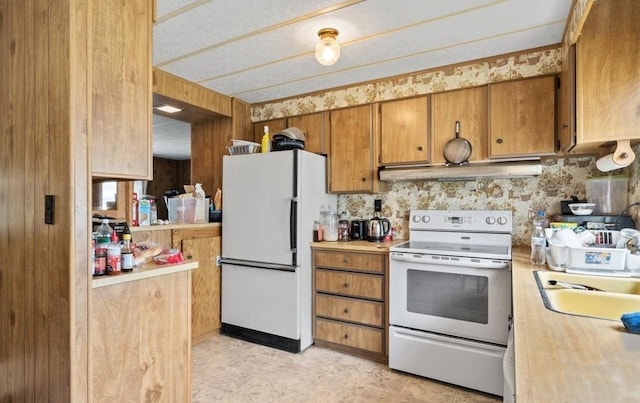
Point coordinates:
pixel 266 142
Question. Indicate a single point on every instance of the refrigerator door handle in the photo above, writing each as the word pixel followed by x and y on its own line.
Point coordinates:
pixel 293 226
pixel 257 265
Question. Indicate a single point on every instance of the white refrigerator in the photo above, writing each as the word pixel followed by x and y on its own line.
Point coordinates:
pixel 269 204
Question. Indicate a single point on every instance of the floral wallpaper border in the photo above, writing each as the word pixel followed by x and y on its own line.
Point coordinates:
pixel 514 66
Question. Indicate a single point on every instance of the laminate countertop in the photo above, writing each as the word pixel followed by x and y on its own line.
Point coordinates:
pixel 357 246
pixel 174 226
pixel 147 270
pixel 568 358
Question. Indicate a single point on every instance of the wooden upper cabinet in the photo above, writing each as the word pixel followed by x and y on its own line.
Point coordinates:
pixel 467 106
pixel 567 102
pixel 522 117
pixel 121 89
pixel 351 156
pixel 275 126
pixel 608 74
pixel 313 126
pixel 404 131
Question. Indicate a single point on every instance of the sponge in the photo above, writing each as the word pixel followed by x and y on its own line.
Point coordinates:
pixel 631 321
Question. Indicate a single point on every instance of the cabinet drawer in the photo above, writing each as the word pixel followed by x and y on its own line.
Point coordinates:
pixel 357 336
pixel 353 310
pixel 353 284
pixel 350 261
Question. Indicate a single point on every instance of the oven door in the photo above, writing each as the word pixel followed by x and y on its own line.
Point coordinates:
pixel 458 296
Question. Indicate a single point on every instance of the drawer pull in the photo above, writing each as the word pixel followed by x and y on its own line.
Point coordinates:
pixel 346 285
pixel 346 310
pixel 346 336
pixel 345 260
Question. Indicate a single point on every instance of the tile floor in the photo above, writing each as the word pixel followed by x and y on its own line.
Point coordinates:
pixel 225 369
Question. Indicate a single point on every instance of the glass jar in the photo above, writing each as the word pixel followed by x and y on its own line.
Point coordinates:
pixel 343 230
pixel 330 225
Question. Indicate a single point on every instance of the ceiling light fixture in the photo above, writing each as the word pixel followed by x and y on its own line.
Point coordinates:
pixel 327 49
pixel 168 109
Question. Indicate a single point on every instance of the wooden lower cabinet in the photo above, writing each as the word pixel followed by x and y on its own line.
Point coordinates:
pixel 139 335
pixel 350 302
pixel 203 246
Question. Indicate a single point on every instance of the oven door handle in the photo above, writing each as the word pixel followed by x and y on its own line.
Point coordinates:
pixel 463 262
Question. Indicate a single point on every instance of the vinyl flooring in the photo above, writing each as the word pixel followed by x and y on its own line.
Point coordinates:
pixel 225 369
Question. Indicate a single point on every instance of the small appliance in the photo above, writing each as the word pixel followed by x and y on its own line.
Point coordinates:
pixel 378 227
pixel 359 229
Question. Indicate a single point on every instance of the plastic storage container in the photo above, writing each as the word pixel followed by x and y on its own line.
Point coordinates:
pixel 188 211
pixel 609 193
pixel 597 259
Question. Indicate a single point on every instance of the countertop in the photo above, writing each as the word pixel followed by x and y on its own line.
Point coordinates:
pixel 144 271
pixel 568 358
pixel 357 246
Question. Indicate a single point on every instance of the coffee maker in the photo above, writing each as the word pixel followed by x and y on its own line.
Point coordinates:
pixel 378 227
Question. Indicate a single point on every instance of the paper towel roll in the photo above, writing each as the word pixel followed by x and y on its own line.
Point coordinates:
pixel 621 157
pixel 606 164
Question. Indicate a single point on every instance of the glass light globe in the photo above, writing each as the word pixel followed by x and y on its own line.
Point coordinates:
pixel 327 49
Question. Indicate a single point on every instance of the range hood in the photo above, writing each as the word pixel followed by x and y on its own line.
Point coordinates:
pixel 469 172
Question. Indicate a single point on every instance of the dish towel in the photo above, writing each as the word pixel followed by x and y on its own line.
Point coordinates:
pixel 631 321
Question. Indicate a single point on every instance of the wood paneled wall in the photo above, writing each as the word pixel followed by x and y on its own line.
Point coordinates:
pixel 168 174
pixel 44 151
pixel 208 141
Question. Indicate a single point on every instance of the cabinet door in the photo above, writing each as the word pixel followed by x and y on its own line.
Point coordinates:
pixel 567 102
pixel 121 89
pixel 522 117
pixel 313 126
pixel 351 150
pixel 404 131
pixel 205 286
pixel 467 106
pixel 275 126
pixel 608 76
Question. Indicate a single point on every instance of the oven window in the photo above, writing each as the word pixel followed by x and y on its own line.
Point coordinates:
pixel 448 295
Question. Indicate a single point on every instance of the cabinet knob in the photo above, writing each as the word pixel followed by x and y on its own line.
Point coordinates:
pixel 345 260
pixel 346 310
pixel 363 179
pixel 419 148
pixel 346 336
pixel 345 285
pixel 189 257
pixel 564 126
pixel 499 141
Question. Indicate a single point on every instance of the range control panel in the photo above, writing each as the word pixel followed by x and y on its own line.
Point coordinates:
pixel 461 220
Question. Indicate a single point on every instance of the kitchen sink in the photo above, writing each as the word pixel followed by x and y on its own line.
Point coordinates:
pixel 619 295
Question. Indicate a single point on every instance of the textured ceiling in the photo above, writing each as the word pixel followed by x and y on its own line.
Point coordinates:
pixel 259 50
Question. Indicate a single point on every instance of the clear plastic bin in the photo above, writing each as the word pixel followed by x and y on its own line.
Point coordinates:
pixel 608 192
pixel 188 211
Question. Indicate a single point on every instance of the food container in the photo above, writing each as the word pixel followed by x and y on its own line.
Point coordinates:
pixel 240 147
pixel 188 210
pixel 608 192
pixel 582 208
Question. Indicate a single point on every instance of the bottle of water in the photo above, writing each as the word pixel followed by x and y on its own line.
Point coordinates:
pixel 103 236
pixel 538 239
